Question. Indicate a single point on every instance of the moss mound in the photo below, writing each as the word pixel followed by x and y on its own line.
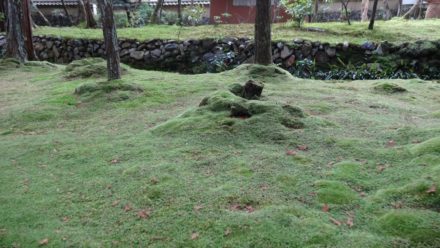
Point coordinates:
pixel 253 119
pixel 114 91
pixel 389 88
pixel 335 192
pixel 416 225
pixel 86 68
pixel 261 73
pixel 429 146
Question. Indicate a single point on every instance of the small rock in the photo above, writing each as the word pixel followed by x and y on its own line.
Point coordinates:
pixel 286 52
pixel 252 89
pixel 331 51
pixel 137 55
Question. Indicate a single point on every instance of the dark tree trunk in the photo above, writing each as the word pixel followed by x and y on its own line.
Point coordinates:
pixel 81 11
pixel 15 46
pixel 110 39
pixel 179 11
pixel 3 7
pixel 315 10
pixel 90 21
pixel 155 17
pixel 345 7
pixel 66 12
pixel 373 15
pixel 263 42
pixel 43 17
pixel 27 29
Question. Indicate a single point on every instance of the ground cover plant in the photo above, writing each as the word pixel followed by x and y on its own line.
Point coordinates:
pixel 158 159
pixel 398 31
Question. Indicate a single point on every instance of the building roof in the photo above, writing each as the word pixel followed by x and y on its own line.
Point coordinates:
pixel 54 2
pixel 174 2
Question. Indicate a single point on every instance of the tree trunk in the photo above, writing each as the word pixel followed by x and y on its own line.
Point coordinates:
pixel 81 12
pixel 110 39
pixel 365 8
pixel 345 7
pixel 388 13
pixel 154 17
pixel 27 29
pixel 263 43
pixel 15 47
pixel 43 17
pixel 315 10
pixel 415 7
pixel 179 12
pixel 90 21
pixel 3 7
pixel 373 15
pixel 66 12
pixel 399 8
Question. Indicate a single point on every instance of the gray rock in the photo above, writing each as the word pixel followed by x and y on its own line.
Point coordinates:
pixel 156 53
pixel 124 52
pixel 137 55
pixel 170 46
pixel 126 45
pixel 286 52
pixel 331 52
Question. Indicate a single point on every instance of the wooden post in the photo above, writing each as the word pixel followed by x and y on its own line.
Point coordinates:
pixel 110 39
pixel 263 39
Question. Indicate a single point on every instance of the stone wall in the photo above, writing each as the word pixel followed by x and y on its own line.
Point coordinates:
pixel 197 56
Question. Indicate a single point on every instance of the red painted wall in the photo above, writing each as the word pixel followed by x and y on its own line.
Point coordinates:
pixel 240 14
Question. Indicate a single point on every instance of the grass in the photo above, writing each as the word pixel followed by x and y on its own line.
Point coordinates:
pixel 156 169
pixel 396 30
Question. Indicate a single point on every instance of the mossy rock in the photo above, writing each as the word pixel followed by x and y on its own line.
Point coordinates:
pixel 389 88
pixel 429 146
pixel 87 68
pixel 416 225
pixel 335 192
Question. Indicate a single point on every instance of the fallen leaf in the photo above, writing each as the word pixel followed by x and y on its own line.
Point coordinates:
pixel 380 168
pixel 303 147
pixel 127 208
pixel 43 242
pixel 66 219
pixel 143 214
pixel 325 208
pixel 194 236
pixel 397 205
pixel 154 180
pixel 391 143
pixel 432 190
pixel 249 209
pixel 349 222
pixel 362 194
pixel 115 203
pixel 335 221
pixel 228 231
pixel 291 152
pixel 198 207
pixel 114 161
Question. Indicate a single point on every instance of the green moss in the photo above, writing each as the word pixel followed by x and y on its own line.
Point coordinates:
pixel 416 225
pixel 348 171
pixel 389 88
pixel 335 192
pixel 89 67
pixel 429 146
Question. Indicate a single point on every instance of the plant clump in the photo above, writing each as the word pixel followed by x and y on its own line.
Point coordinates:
pixel 335 192
pixel 389 88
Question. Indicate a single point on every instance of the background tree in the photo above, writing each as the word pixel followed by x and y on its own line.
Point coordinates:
pixel 373 15
pixel 413 9
pixel 110 39
pixel 344 4
pixel 365 8
pixel 298 9
pixel 15 47
pixel 90 20
pixel 263 40
pixel 26 22
pixel 179 11
pixel 42 16
pixel 66 12
pixel 81 16
pixel 155 17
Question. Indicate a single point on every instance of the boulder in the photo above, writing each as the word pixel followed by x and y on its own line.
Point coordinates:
pixel 252 89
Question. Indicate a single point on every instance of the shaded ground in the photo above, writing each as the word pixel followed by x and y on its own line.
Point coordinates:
pixel 146 166
pixel 397 31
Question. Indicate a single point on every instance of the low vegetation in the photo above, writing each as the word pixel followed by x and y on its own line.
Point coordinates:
pixel 310 164
pixel 397 31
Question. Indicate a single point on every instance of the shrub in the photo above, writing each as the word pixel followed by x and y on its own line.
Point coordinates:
pixel 193 15
pixel 298 9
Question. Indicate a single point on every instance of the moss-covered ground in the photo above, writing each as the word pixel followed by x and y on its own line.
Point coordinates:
pixel 396 30
pixel 141 163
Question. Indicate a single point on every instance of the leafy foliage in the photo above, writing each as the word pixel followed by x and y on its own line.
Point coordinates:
pixel 299 9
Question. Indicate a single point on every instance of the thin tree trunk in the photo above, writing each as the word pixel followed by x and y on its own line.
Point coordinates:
pixel 43 17
pixel 3 7
pixel 373 15
pixel 110 39
pixel 399 7
pixel 263 40
pixel 27 29
pixel 66 12
pixel 408 14
pixel 15 47
pixel 155 16
pixel 365 7
pixel 315 10
pixel 90 21
pixel 179 12
pixel 388 13
pixel 345 6
pixel 81 11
